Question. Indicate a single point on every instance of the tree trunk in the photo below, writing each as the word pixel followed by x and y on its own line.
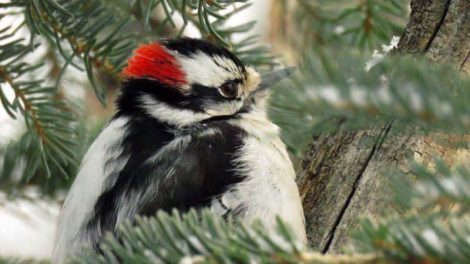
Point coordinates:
pixel 341 177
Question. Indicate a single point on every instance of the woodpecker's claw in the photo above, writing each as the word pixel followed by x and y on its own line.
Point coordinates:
pixel 271 78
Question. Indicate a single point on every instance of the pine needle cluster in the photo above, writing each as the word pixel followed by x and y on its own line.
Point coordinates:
pixel 334 85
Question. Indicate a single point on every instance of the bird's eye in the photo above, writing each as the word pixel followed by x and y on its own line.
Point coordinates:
pixel 229 89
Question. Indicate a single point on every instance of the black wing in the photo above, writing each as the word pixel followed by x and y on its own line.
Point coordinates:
pixel 160 176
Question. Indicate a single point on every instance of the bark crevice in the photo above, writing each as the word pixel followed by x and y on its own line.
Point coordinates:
pixel 378 143
pixel 438 26
pixel 464 62
pixel 342 176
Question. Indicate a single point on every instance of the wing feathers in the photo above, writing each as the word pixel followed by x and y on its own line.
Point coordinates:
pixel 186 171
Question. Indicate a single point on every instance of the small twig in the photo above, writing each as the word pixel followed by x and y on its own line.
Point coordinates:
pixel 28 107
pixel 78 45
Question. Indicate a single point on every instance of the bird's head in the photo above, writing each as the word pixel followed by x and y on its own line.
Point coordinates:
pixel 184 81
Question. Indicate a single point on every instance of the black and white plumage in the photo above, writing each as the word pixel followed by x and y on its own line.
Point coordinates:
pixel 191 132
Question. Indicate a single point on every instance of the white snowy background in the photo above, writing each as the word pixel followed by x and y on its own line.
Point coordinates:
pixel 27 226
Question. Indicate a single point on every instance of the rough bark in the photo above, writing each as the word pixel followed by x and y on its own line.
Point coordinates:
pixel 341 177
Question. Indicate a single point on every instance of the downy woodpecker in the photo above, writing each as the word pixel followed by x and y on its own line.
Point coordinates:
pixel 190 131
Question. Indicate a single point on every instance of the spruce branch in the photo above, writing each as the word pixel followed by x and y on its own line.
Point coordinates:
pixel 92 30
pixel 206 15
pixel 39 106
pixel 90 36
pixel 336 85
pixel 436 188
pixel 202 237
pixel 18 260
pixel 418 238
pixel 435 224
pixel 210 18
pixel 363 24
pixel 414 236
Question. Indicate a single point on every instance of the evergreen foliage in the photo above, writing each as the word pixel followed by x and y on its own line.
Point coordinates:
pixel 362 24
pixel 97 37
pixel 49 122
pixel 337 86
pixel 435 225
pixel 200 237
pixel 21 261
pixel 94 37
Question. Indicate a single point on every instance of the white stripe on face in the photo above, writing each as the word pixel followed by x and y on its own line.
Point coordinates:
pixel 211 71
pixel 167 113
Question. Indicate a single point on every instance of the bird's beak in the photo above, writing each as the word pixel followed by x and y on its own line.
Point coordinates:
pixel 271 78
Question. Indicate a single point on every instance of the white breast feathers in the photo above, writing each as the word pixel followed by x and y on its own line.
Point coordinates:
pixel 269 189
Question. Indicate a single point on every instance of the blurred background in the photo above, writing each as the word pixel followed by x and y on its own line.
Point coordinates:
pixel 60 65
pixel 273 31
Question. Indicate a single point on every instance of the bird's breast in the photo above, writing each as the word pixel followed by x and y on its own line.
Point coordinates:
pixel 268 189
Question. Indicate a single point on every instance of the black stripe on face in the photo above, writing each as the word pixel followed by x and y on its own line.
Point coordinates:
pixel 202 92
pixel 130 99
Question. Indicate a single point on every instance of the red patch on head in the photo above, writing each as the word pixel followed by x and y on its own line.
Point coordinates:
pixel 153 61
